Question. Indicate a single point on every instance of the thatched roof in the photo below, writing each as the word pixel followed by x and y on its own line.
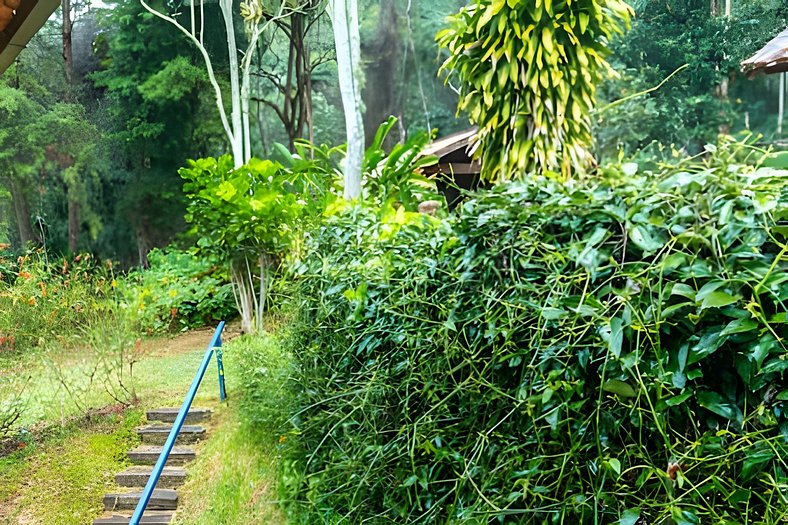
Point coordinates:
pixel 28 18
pixel 773 58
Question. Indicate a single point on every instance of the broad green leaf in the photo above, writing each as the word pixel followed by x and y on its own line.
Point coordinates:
pixel 616 336
pixel 775 365
pixel 707 289
pixel 677 400
pixel 755 462
pixel 226 190
pixel 683 290
pixel 738 326
pixel 618 387
pixel 718 300
pixel 714 402
pixel 643 239
pixel 629 517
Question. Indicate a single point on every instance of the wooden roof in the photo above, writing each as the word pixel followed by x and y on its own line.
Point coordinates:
pixel 455 154
pixel 772 58
pixel 450 143
pixel 28 19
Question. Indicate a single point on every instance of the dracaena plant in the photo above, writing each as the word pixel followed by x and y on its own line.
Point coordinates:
pixel 528 71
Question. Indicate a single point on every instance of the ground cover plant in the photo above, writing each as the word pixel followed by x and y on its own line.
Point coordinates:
pixel 606 351
pixel 177 292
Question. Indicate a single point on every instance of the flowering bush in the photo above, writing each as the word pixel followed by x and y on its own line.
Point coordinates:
pixel 43 298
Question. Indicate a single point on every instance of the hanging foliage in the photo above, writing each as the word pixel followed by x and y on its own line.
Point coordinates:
pixel 527 73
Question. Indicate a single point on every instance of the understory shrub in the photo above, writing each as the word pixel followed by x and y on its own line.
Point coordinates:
pixel 47 300
pixel 179 291
pixel 606 351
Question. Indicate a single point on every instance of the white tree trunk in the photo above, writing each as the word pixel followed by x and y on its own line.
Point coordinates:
pixel 344 18
pixel 246 65
pixel 781 108
pixel 239 153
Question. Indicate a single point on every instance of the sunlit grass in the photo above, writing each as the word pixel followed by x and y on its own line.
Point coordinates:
pixel 233 481
pixel 71 463
pixel 62 479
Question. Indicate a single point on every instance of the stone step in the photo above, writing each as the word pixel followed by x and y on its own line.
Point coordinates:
pixel 149 518
pixel 161 499
pixel 137 476
pixel 168 415
pixel 157 434
pixel 149 454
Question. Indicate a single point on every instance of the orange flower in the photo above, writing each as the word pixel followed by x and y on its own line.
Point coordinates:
pixel 31 301
pixel 24 275
pixel 43 289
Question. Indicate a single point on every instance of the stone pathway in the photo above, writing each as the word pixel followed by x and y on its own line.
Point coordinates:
pixel 119 506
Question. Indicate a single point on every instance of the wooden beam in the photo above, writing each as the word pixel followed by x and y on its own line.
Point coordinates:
pixel 457 168
pixel 29 18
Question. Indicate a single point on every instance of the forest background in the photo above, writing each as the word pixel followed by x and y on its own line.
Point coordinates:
pixel 90 146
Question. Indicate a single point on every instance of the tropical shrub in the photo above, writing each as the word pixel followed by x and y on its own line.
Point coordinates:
pixel 393 177
pixel 178 291
pixel 252 216
pixel 45 300
pixel 606 351
pixel 527 73
pixel 255 216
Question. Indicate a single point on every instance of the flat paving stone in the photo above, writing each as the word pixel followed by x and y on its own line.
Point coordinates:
pixel 149 454
pixel 149 518
pixel 161 499
pixel 157 434
pixel 138 475
pixel 168 415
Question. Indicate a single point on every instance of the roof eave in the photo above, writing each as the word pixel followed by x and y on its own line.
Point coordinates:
pixel 29 19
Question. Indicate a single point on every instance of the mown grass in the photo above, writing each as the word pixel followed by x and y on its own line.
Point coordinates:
pixel 163 373
pixel 233 481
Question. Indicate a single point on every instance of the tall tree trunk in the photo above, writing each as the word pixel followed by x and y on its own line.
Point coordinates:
pixel 68 54
pixel 74 224
pixel 382 60
pixel 344 18
pixel 22 213
pixel 236 118
pixel 143 243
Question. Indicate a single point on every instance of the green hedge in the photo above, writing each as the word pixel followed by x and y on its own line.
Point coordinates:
pixel 610 351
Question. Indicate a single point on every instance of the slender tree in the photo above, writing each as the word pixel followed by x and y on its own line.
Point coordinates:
pixel 344 17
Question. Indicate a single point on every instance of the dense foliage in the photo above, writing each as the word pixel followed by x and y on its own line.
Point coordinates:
pixel 528 73
pixel 610 351
pixel 179 291
pixel 45 301
pixel 710 94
